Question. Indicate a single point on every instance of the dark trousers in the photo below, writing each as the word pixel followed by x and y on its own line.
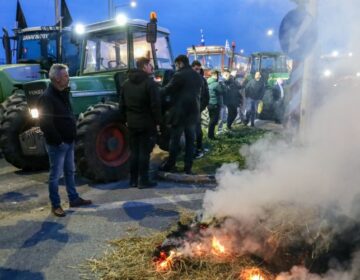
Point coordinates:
pixel 199 135
pixel 175 135
pixel 232 113
pixel 141 145
pixel 214 113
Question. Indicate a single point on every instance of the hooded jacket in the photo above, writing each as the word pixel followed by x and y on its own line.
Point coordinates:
pixel 57 120
pixel 140 103
pixel 216 92
pixel 232 92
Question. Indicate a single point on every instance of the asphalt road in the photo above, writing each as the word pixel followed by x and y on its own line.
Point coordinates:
pixel 34 244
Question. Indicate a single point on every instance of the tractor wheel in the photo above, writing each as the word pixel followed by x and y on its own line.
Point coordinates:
pixel 16 98
pixel 102 148
pixel 15 121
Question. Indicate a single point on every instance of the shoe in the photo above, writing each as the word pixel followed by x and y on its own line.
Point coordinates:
pixel 147 184
pixel 80 202
pixel 205 150
pixel 58 212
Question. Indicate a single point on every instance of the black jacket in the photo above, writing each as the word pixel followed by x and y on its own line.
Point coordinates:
pixel 205 96
pixel 255 89
pixel 232 95
pixel 57 120
pixel 184 90
pixel 140 103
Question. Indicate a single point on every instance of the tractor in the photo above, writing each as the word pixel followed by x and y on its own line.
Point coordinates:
pixel 219 58
pixel 275 69
pixel 108 50
pixel 36 48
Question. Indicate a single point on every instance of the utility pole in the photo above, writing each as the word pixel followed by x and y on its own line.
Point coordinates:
pixel 307 97
pixel 57 11
pixel 111 5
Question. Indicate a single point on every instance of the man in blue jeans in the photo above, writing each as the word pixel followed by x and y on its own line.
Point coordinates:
pixel 58 124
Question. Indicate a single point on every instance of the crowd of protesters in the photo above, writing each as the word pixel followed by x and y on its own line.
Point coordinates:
pixel 187 93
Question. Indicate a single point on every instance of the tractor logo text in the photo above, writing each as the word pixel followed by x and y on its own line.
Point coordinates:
pixel 35 36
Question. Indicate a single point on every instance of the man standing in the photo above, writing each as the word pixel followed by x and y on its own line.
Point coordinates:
pixel 59 127
pixel 232 98
pixel 140 106
pixel 184 91
pixel 204 101
pixel 216 91
pixel 254 92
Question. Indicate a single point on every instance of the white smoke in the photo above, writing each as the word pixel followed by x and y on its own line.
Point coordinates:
pixel 321 170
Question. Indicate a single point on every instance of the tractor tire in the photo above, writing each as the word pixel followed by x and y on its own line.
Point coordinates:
pixel 102 148
pixel 16 98
pixel 15 121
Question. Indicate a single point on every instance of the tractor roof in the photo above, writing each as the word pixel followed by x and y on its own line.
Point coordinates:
pixel 206 49
pixel 267 54
pixel 39 28
pixel 108 24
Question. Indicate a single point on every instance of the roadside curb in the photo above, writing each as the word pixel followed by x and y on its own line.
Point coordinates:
pixel 185 178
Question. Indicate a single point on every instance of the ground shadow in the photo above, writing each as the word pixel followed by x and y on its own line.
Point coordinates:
pixel 15 196
pixel 15 274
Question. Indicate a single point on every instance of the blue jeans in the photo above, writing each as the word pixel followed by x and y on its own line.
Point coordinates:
pixel 251 110
pixel 61 160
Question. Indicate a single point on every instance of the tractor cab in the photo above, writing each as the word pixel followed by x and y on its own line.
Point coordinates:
pixel 271 65
pixel 41 45
pixel 218 58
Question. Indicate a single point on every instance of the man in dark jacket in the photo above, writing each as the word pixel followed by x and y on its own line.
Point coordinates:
pixel 59 127
pixel 184 91
pixel 232 99
pixel 254 92
pixel 204 101
pixel 140 106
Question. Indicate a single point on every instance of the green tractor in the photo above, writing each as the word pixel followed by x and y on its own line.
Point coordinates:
pixel 275 69
pixel 109 50
pixel 36 48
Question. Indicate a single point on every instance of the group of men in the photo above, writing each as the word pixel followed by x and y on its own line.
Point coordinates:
pixel 140 106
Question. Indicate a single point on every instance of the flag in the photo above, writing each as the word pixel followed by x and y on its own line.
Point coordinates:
pixel 20 17
pixel 65 15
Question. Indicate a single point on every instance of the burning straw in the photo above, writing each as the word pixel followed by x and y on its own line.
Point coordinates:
pixel 133 258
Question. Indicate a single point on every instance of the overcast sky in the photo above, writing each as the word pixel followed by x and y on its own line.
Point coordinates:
pixel 242 21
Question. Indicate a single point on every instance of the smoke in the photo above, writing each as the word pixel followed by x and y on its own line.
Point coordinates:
pixel 319 172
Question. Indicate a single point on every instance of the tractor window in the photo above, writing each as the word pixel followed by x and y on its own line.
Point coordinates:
pixel 70 54
pixel 163 53
pixel 141 47
pixel 106 52
pixel 37 46
pixel 209 61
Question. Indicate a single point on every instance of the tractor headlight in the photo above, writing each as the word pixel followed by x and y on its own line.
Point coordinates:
pixel 34 113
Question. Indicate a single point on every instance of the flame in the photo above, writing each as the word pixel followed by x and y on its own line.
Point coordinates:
pixel 252 274
pixel 217 247
pixel 165 262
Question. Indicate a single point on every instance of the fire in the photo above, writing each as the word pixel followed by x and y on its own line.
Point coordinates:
pixel 252 274
pixel 217 247
pixel 165 262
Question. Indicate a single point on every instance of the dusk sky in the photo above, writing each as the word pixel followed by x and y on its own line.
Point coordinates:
pixel 243 21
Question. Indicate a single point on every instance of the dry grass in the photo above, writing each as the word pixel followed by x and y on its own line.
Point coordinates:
pixel 131 258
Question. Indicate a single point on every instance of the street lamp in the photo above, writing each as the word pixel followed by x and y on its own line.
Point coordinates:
pixel 270 32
